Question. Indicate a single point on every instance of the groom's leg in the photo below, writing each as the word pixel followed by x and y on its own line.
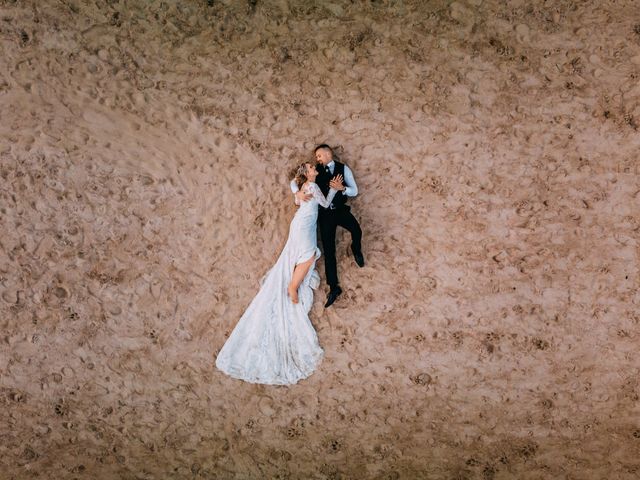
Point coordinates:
pixel 347 220
pixel 328 237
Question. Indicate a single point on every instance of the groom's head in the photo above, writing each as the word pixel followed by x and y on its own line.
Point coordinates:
pixel 324 154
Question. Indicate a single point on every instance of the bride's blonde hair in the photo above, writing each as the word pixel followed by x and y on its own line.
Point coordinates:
pixel 299 174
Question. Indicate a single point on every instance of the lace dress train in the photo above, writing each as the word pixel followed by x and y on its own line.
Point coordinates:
pixel 274 341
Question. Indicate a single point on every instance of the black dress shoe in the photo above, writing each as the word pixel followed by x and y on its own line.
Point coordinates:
pixel 359 258
pixel 333 295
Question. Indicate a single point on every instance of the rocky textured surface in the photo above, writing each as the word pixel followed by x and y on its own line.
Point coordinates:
pixel 144 154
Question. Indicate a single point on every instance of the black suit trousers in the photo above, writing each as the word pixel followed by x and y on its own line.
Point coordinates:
pixel 329 221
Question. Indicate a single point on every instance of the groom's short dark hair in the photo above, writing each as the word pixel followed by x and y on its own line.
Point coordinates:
pixel 323 145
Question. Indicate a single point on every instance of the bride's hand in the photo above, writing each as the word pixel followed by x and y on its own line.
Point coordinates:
pixel 336 182
pixel 303 197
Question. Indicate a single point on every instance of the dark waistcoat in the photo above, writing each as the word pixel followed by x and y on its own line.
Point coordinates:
pixel 323 179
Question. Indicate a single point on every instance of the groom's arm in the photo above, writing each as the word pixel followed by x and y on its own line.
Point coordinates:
pixel 351 189
pixel 294 189
pixel 299 196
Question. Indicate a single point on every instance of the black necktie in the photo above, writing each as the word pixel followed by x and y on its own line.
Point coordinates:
pixel 327 169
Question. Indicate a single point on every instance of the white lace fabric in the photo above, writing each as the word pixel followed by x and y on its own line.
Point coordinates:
pixel 274 341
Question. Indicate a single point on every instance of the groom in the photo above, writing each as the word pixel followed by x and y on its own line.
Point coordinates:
pixel 338 213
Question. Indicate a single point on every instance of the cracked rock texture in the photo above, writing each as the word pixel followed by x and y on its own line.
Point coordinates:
pixel 144 157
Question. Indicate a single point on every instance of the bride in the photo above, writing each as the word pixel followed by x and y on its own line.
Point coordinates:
pixel 274 342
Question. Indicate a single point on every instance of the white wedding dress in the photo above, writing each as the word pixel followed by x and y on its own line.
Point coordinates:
pixel 274 341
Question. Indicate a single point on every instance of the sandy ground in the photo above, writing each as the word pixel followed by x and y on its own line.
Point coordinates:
pixel 494 331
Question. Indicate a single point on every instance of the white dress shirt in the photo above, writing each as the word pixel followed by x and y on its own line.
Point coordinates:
pixel 351 189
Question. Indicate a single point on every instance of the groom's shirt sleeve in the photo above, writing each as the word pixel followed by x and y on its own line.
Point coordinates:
pixel 351 189
pixel 294 189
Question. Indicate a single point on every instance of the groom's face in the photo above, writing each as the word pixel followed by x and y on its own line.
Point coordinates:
pixel 323 156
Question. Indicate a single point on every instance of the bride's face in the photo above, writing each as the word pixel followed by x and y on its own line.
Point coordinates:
pixel 312 173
